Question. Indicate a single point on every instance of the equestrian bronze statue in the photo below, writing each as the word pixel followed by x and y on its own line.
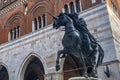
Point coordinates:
pixel 78 42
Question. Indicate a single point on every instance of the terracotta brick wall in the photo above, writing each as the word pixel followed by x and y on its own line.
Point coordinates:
pixel 36 8
pixel 3 37
pixel 88 3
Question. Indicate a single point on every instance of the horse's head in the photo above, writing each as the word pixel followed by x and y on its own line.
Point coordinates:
pixel 59 21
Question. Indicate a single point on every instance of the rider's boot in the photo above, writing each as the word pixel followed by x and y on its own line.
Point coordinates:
pixel 85 74
pixel 57 65
pixel 94 74
pixel 89 45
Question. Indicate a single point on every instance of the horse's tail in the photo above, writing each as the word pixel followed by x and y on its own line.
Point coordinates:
pixel 100 56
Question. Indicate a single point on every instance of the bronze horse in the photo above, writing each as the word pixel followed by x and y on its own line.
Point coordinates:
pixel 72 45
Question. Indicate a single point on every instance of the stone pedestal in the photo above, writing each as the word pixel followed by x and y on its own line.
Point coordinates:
pixel 83 78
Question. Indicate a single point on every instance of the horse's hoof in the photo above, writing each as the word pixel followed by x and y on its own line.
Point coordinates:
pixel 94 75
pixel 85 75
pixel 57 67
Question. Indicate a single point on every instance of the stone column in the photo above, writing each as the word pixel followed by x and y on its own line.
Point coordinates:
pixel 17 33
pixel 41 22
pixel 9 36
pixel 38 24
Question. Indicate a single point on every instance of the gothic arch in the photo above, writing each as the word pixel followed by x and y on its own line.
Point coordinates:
pixel 18 17
pixel 47 4
pixel 16 20
pixel 27 61
pixel 4 75
pixel 70 67
pixel 39 8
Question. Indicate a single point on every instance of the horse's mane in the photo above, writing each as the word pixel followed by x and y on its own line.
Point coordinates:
pixel 68 18
pixel 63 14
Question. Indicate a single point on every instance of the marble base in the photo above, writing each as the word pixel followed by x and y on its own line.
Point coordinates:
pixel 83 78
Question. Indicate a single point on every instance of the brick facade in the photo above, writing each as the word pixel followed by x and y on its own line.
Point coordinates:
pixel 35 8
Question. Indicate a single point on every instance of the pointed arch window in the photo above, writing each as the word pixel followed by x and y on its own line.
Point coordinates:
pixel 35 24
pixel 72 8
pixel 66 8
pixel 44 20
pixel 11 34
pixel 14 33
pixel 39 21
pixel 3 73
pixel 78 9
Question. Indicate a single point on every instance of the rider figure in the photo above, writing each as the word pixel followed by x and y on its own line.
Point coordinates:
pixel 81 26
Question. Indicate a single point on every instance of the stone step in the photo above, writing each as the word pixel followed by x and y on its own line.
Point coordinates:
pixel 83 78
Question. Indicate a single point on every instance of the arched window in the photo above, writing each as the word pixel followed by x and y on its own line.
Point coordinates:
pixel 72 8
pixel 66 8
pixel 44 20
pixel 78 6
pixel 33 70
pixel 3 73
pixel 39 21
pixel 35 24
pixel 11 34
pixel 14 33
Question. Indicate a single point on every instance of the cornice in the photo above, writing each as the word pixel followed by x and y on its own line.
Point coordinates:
pixel 10 7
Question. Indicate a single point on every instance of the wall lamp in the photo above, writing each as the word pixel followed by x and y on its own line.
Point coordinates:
pixel 107 70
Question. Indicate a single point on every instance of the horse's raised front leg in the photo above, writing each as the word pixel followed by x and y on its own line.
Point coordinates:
pixel 63 52
pixel 57 61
